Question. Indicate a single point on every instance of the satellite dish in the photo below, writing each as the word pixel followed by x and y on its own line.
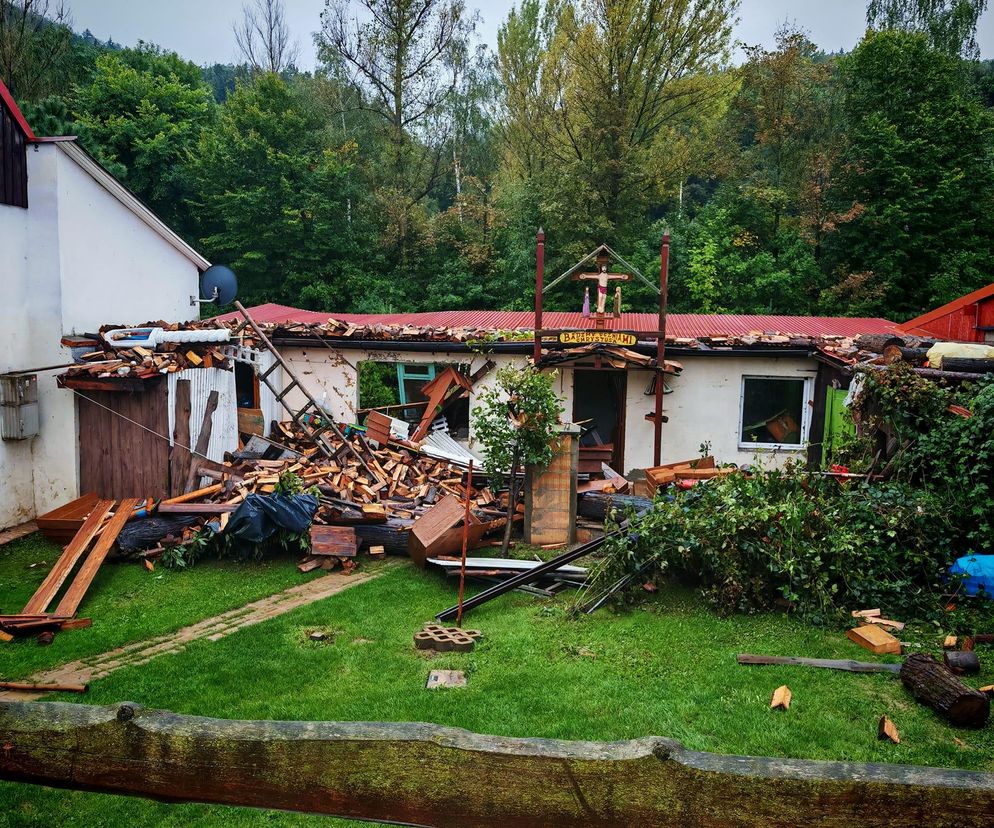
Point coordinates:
pixel 219 285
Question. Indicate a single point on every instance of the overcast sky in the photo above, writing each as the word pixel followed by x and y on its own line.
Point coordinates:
pixel 200 30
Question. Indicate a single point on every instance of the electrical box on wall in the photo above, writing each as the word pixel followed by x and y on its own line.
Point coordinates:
pixel 19 418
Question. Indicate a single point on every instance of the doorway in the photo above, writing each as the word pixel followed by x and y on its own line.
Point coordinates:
pixel 599 409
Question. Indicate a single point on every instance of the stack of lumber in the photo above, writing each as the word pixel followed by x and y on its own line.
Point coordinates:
pixel 614 355
pixel 46 611
pixel 139 362
pixel 703 468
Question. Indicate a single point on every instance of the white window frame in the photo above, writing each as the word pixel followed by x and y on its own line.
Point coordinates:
pixel 806 412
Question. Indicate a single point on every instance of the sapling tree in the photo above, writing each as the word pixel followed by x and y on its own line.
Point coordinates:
pixel 517 420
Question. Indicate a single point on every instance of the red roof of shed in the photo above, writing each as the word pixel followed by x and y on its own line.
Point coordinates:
pixel 962 319
pixel 689 325
pixel 15 111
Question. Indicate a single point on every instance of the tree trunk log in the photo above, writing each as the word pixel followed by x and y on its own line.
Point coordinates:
pixel 144 533
pixel 876 343
pixel 961 364
pixel 392 535
pixel 933 685
pixel 962 662
pixel 595 505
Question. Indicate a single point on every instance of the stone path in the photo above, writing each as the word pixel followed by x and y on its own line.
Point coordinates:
pixel 213 629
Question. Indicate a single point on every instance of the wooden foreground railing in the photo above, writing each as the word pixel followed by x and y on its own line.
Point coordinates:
pixel 428 775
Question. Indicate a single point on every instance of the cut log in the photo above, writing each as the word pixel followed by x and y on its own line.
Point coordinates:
pixel 875 639
pixel 977 366
pixel 595 505
pixel 144 533
pixel 886 729
pixel 933 685
pixel 28 687
pixel 877 343
pixel 962 662
pixel 392 535
pixel 781 698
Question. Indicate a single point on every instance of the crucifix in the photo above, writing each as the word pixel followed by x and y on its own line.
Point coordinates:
pixel 603 279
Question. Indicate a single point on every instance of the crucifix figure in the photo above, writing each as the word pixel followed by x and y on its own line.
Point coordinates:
pixel 603 279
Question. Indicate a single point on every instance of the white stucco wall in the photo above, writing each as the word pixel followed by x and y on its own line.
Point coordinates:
pixel 75 259
pixel 704 405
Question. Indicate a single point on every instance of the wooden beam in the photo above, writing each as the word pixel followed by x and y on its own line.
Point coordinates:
pixel 179 453
pixel 87 572
pixel 203 440
pixel 66 563
pixel 424 774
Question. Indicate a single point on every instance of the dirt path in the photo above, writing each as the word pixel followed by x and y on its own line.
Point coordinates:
pixel 96 667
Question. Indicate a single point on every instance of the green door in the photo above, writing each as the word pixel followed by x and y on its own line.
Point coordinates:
pixel 838 423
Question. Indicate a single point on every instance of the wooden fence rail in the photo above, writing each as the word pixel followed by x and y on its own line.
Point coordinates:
pixel 423 774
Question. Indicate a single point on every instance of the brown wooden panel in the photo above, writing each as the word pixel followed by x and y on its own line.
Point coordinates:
pixel 13 161
pixel 118 458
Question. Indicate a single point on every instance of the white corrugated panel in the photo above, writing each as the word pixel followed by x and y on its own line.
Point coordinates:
pixel 224 422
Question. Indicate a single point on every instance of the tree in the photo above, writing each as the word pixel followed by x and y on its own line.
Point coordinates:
pixel 35 40
pixel 141 115
pixel 270 196
pixel 517 420
pixel 263 37
pixel 950 25
pixel 917 179
pixel 402 59
pixel 601 94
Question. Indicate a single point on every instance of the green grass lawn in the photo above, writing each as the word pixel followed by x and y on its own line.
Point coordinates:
pixel 127 602
pixel 667 669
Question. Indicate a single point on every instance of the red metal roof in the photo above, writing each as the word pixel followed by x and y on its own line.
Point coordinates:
pixel 8 100
pixel 963 319
pixel 689 325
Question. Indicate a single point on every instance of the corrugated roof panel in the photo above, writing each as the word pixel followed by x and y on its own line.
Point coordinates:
pixel 689 325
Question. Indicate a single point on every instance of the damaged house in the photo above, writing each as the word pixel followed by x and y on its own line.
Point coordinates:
pixel 76 249
pixel 748 386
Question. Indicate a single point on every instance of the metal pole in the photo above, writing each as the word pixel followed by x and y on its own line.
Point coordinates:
pixel 465 541
pixel 664 273
pixel 539 286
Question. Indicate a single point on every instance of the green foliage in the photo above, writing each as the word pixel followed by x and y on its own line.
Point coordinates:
pixel 377 384
pixel 917 174
pixel 951 25
pixel 517 419
pixel 141 115
pixel 951 455
pixel 782 538
pixel 271 191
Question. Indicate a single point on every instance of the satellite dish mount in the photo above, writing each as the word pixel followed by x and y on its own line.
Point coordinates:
pixel 218 285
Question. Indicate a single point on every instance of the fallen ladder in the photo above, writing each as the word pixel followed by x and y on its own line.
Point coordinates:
pixel 301 417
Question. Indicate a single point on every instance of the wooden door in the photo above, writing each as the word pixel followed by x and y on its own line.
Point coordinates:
pixel 117 457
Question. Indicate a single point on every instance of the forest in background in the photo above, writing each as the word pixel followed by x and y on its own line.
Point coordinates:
pixel 411 170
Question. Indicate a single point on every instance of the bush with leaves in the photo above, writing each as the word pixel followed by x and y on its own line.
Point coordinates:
pixel 517 420
pixel 784 538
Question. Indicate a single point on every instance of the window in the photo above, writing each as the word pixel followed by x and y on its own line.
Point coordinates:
pixel 774 412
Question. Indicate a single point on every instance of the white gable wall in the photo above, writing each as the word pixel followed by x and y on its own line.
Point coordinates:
pixel 75 259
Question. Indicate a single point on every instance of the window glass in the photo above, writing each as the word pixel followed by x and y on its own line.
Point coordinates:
pixel 772 411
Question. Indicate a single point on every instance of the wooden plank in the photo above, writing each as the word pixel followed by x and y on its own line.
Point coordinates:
pixel 203 440
pixel 875 639
pixel 28 687
pixel 180 459
pixel 826 663
pixel 336 541
pixel 87 572
pixel 432 525
pixel 251 421
pixel 64 565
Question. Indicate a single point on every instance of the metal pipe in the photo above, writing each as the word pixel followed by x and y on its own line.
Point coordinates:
pixel 539 287
pixel 465 542
pixel 657 425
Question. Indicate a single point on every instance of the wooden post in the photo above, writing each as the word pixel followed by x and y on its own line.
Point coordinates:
pixel 180 459
pixel 539 287
pixel 664 273
pixel 465 541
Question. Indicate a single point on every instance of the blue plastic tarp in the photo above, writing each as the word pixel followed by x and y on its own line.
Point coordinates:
pixel 978 571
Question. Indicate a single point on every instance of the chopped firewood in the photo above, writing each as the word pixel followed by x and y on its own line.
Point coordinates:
pixel 883 622
pixel 950 642
pixel 875 639
pixel 988 690
pixel 309 565
pixel 781 698
pixel 962 662
pixel 193 358
pixel 4 636
pixel 869 613
pixel 377 553
pixel 887 730
pixel 149 565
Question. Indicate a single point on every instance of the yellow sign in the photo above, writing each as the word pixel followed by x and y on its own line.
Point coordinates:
pixel 598 337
